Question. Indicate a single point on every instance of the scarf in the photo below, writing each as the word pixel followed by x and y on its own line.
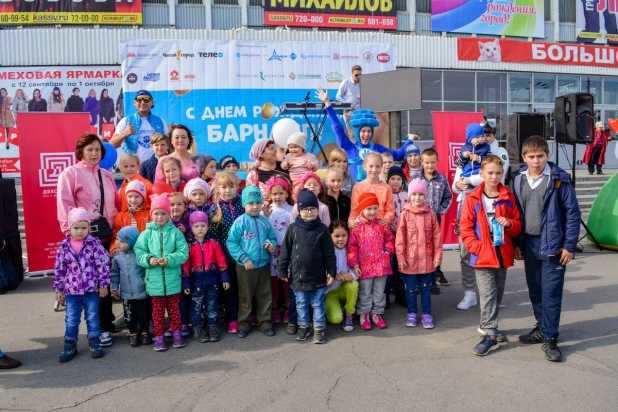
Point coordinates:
pixel 311 225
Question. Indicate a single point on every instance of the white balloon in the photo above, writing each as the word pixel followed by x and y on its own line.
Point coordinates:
pixel 283 129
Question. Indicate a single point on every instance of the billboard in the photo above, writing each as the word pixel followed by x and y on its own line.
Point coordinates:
pixel 596 22
pixel 71 12
pixel 353 14
pixel 52 89
pixel 229 92
pixel 523 18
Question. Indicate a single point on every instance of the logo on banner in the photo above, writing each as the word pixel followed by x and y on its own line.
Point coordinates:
pixel 130 54
pixel 278 57
pixel 265 76
pixel 179 54
pixel 142 55
pixel 295 76
pixel 383 58
pixel 189 76
pixel 210 55
pixel 314 56
pixel 454 149
pixel 173 76
pixel 334 77
pixel 132 78
pixel 152 77
pixel 239 54
pixel 52 165
pixel 338 56
pixel 368 57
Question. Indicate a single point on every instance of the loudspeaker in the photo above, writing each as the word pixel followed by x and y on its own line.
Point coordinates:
pixel 574 115
pixel 521 126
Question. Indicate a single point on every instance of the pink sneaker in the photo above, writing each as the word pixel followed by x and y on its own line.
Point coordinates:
pixel 364 321
pixel 378 321
pixel 285 316
pixel 232 327
pixel 276 316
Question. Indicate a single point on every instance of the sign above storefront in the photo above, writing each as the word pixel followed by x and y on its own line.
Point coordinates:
pixel 588 24
pixel 506 18
pixel 516 51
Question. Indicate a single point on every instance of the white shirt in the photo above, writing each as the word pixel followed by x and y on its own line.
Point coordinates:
pixel 349 92
pixel 534 183
pixel 143 139
pixel 280 219
pixel 490 209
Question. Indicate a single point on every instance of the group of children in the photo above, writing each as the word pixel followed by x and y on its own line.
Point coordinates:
pixel 328 246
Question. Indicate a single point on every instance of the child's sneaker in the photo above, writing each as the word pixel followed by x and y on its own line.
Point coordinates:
pixel 468 300
pixel 378 321
pixel 168 334
pixel 276 315
pixel 319 336
pixel 95 348
pixel 199 335
pixel 486 345
pixel 232 327
pixel 499 335
pixel 178 340
pixel 427 321
pixel 348 322
pixel 365 322
pixel 291 329
pixel 106 339
pixel 303 333
pixel 285 317
pixel 159 344
pixel 134 340
pixel 185 330
pixel 213 333
pixel 145 338
pixel 411 320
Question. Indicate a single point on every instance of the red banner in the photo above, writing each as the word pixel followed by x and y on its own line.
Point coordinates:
pixel 48 147
pixel 449 129
pixel 516 51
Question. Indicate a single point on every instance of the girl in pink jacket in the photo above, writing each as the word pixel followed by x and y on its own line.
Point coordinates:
pixel 419 251
pixel 369 251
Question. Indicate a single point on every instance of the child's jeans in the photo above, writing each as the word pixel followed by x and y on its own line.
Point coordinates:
pixel 89 303
pixel 209 298
pixel 172 304
pixel 137 314
pixel 371 296
pixel 315 298
pixel 414 283
pixel 491 289
pixel 346 294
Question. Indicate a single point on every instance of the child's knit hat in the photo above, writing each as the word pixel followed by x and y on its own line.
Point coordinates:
pixel 412 149
pixel 257 149
pixel 365 200
pixel 306 198
pixel 198 217
pixel 251 194
pixel 196 184
pixel 161 201
pixel 137 187
pixel 395 171
pixel 201 161
pixel 226 160
pixel 308 176
pixel 129 234
pixel 299 139
pixel 77 214
pixel 417 186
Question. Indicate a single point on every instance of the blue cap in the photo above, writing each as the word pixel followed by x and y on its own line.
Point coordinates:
pixel 129 234
pixel 412 149
pixel 143 93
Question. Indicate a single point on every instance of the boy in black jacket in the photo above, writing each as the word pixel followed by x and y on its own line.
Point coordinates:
pixel 308 260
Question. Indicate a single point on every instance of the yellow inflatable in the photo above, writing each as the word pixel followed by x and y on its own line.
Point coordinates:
pixel 603 217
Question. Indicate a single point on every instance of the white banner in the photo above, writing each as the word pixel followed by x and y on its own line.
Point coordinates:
pixel 95 90
pixel 229 92
pixel 596 22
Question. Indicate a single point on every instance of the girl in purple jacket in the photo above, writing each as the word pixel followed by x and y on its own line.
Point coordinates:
pixel 81 278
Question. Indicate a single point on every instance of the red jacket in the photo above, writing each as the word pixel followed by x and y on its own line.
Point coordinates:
pixel 206 265
pixel 123 219
pixel 418 242
pixel 475 232
pixel 605 137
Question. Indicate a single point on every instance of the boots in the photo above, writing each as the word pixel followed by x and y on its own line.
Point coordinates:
pixel 70 350
pixel 199 335
pixel 95 347
pixel 213 333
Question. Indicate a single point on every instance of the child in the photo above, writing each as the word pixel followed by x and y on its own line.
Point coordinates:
pixel 129 164
pixel 473 151
pixel 171 167
pixel 230 164
pixel 413 162
pixel 338 159
pixel 490 204
pixel 338 204
pixel 550 225
pixel 136 214
pixel 396 179
pixel 202 272
pixel 81 277
pixel 198 193
pixel 179 214
pixel 312 182
pixel 250 241
pixel 229 209
pixel 207 168
pixel 128 283
pixel 386 210
pixel 279 214
pixel 369 249
pixel 387 162
pixel 308 261
pixel 161 249
pixel 344 290
pixel 419 251
pixel 298 162
pixel 159 144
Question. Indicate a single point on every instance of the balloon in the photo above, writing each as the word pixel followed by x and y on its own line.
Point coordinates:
pixel 160 188
pixel 613 125
pixel 283 129
pixel 111 155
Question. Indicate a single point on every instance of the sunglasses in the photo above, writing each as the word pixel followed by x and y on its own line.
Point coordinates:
pixel 357 75
pixel 491 123
pixel 143 99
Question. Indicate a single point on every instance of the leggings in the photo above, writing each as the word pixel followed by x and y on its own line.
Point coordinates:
pixel 172 304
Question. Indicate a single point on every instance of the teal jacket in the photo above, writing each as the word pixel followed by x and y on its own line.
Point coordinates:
pixel 169 242
pixel 246 239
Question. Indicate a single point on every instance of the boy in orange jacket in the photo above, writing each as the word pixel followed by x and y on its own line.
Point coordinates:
pixel 489 221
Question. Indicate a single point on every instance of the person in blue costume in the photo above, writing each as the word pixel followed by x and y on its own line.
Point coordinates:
pixel 364 122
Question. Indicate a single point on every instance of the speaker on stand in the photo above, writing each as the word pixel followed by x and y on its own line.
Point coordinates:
pixel 521 126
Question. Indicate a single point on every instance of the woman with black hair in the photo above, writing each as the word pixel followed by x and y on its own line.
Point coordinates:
pixel 75 104
pixel 107 111
pixel 56 101
pixel 37 104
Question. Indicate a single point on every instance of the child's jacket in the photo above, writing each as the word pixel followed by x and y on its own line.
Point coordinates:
pixel 85 272
pixel 127 275
pixel 206 265
pixel 370 248
pixel 169 242
pixel 419 241
pixel 123 219
pixel 476 234
pixel 246 240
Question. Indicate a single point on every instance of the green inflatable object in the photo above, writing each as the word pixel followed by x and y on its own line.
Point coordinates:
pixel 603 217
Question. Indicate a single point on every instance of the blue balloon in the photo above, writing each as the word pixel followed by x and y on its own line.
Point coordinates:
pixel 110 156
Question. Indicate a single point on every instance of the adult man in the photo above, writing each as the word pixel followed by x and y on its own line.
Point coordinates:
pixel 595 151
pixel 349 90
pixel 133 132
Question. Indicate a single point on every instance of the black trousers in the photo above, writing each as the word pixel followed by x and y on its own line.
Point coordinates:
pixel 594 159
pixel 106 315
pixel 137 314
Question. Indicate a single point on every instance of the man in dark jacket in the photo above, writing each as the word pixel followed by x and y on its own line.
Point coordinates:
pixel 550 231
pixel 75 104
pixel 308 261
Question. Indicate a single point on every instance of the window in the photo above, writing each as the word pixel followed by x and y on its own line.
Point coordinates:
pixel 519 85
pixel 225 2
pixel 431 85
pixel 423 6
pixel 568 85
pixel 497 112
pixel 596 85
pixel 520 108
pixel 420 120
pixel 458 107
pixel 567 10
pixel 402 5
pixel 459 86
pixel 491 87
pixel 610 94
pixel 544 88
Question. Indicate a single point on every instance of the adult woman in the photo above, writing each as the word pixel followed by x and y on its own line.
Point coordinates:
pixel 119 107
pixel 182 140
pixel 266 165
pixel 56 101
pixel 6 116
pixel 595 151
pixel 80 185
pixel 91 105
pixel 106 110
pixel 20 103
pixel 37 104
